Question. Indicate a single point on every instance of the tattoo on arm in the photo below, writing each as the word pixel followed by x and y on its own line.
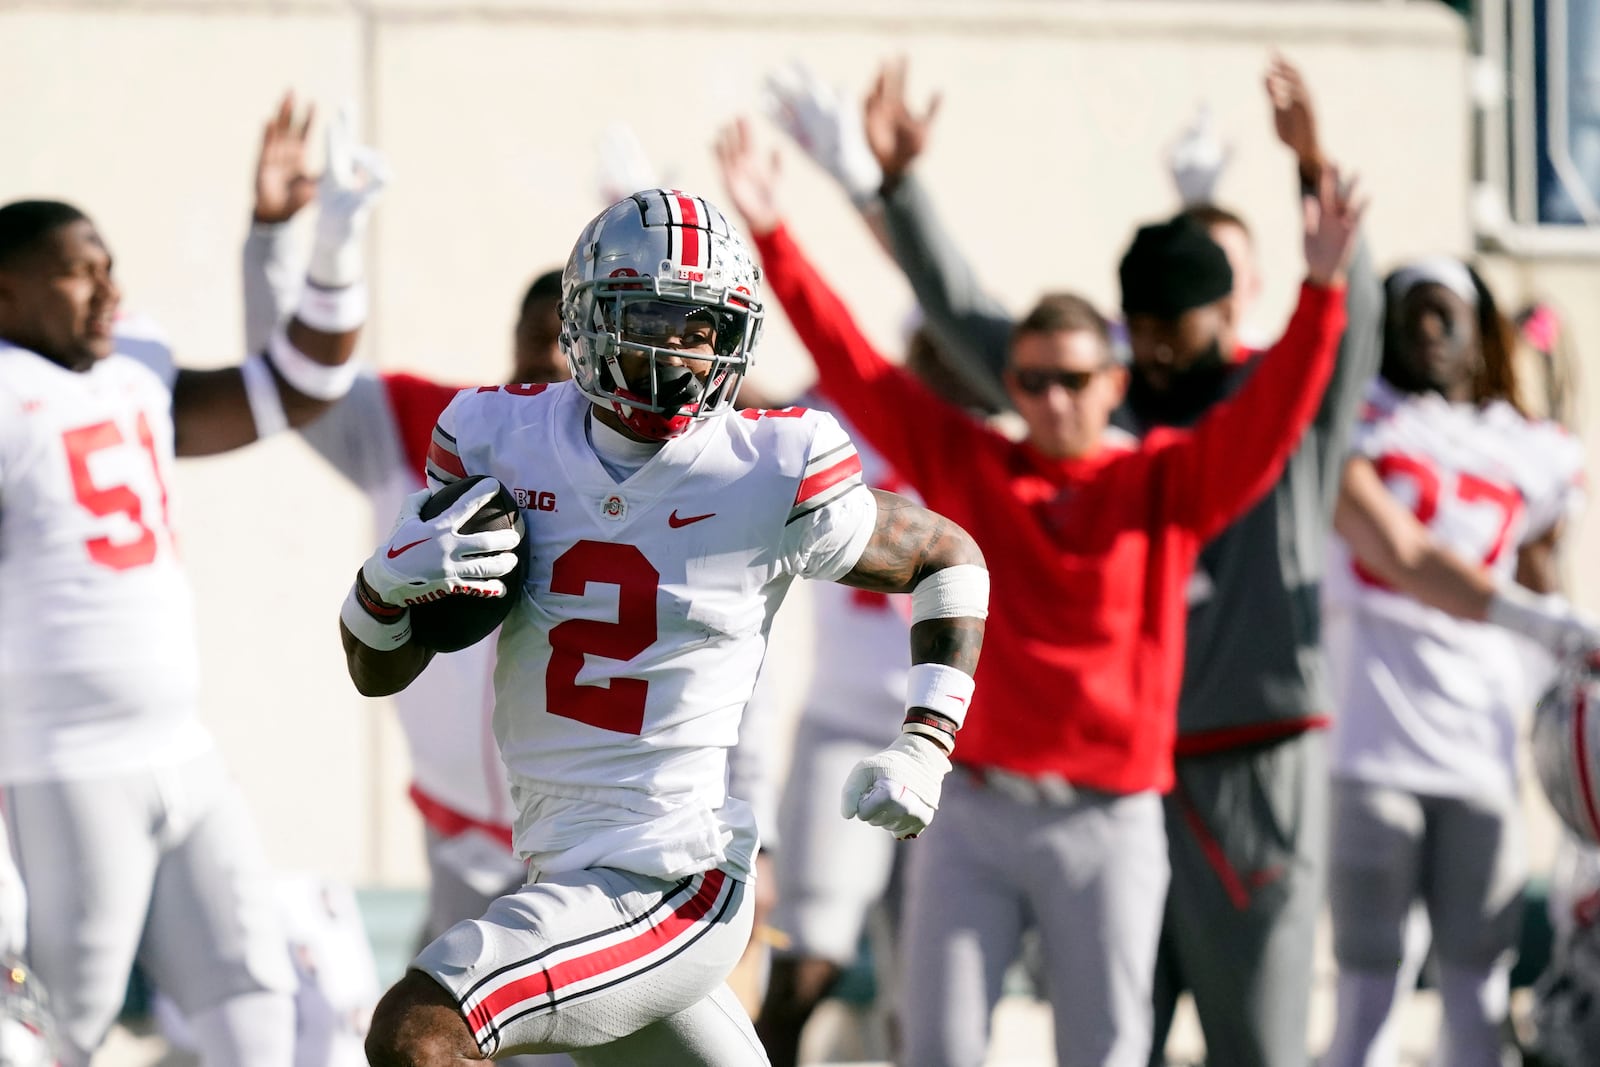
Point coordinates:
pixel 910 543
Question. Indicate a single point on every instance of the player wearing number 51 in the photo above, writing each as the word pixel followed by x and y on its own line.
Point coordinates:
pixel 129 835
pixel 630 650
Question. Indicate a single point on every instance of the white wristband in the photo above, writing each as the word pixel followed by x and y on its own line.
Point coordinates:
pixel 941 689
pixel 383 636
pixel 261 393
pixel 319 381
pixel 961 591
pixel 332 310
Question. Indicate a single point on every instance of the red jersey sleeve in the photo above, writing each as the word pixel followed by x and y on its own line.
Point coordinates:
pixel 904 421
pixel 417 404
pixel 1216 471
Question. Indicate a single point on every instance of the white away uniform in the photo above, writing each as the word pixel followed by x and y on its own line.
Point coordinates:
pixel 832 871
pixel 130 838
pixel 1425 741
pixel 622 674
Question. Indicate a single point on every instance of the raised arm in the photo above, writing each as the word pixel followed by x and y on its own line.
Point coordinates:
pixel 914 550
pixel 271 273
pixel 1392 544
pixel 1234 454
pixel 1294 120
pixel 306 365
pixel 968 323
pixel 875 395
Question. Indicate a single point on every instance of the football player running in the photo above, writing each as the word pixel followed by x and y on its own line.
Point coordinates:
pixel 132 841
pixel 674 530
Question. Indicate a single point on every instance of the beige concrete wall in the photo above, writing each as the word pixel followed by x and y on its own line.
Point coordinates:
pixel 1049 149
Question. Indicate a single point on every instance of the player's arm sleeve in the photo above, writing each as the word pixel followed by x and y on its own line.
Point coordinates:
pixel 357 435
pixel 272 275
pixel 834 513
pixel 1357 364
pixel 443 464
pixel 966 321
pixel 907 424
pixel 1213 473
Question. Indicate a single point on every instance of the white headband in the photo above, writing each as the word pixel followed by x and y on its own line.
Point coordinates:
pixel 1440 270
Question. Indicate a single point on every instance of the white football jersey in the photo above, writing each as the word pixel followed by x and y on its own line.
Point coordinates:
pixel 98 665
pixel 634 645
pixel 446 710
pixel 863 640
pixel 1425 701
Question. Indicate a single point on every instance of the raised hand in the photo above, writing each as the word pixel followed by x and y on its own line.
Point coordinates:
pixel 625 169
pixel 1198 158
pixel 1332 218
pixel 825 127
pixel 750 177
pixel 351 182
pixel 1293 117
pixel 895 133
pixel 284 183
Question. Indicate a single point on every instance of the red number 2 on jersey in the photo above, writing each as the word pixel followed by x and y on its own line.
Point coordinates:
pixel 83 442
pixel 1468 488
pixel 619 706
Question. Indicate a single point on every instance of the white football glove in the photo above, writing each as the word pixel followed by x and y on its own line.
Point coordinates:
pixel 830 132
pixel 425 559
pixel 1550 620
pixel 1198 159
pixel 624 167
pixel 352 178
pixel 897 789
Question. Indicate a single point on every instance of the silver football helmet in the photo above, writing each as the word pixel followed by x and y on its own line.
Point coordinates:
pixel 660 311
pixel 1566 748
pixel 27 1032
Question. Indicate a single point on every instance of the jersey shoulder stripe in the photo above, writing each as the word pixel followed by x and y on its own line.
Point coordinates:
pixel 444 462
pixel 832 469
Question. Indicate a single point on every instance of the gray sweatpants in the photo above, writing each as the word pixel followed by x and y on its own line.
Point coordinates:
pixel 1091 874
pixel 1462 859
pixel 1247 836
pixel 163 866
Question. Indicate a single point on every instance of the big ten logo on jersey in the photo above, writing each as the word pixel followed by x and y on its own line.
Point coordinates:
pixel 117 477
pixel 1467 512
pixel 534 499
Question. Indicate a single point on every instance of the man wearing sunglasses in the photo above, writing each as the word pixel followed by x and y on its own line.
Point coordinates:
pixel 1092 543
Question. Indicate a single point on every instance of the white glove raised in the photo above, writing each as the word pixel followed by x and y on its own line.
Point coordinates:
pixel 425 559
pixel 625 169
pixel 830 132
pixel 352 178
pixel 1198 158
pixel 898 788
pixel 1548 620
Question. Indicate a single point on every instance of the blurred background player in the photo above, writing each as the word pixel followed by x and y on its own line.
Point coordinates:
pixel 131 839
pixel 1246 819
pixel 633 648
pixel 1091 543
pixel 1426 802
pixel 378 437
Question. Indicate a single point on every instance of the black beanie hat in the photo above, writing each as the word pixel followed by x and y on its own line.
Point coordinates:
pixel 1171 267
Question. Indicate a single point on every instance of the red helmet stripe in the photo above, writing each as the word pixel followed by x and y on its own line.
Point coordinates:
pixel 690 231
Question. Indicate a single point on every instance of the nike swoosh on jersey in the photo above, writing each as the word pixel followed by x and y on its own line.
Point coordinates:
pixel 393 552
pixel 675 522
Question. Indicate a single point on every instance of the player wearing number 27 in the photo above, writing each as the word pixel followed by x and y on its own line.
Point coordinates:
pixel 131 840
pixel 1451 506
pixel 675 527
